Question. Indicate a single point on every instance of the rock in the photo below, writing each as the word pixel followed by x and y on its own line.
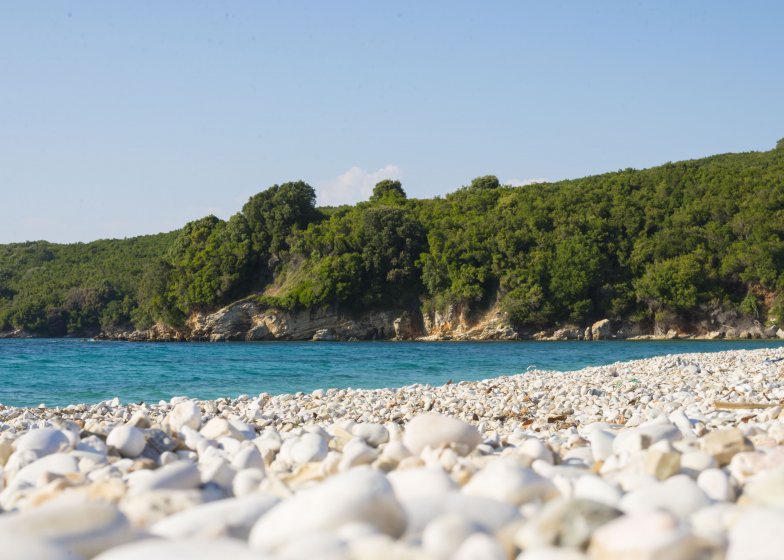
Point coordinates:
pixel 43 441
pixel 506 481
pixel 716 485
pixel 16 548
pixel 361 494
pixel 678 495
pixel 765 488
pixel 662 464
pixel 192 549
pixel 185 414
pixel 652 535
pixel 310 447
pixel 723 444
pixel 248 458
pixel 567 522
pixel 443 536
pixel 220 427
pixel 757 534
pixel 180 475
pixel 83 528
pixel 322 545
pixel 129 441
pixel 326 335
pixel 597 489
pixel 601 444
pixel 247 481
pixel 55 464
pixel 480 546
pixel 435 430
pixel 357 452
pixel 600 330
pixel 549 553
pixel 372 434
pixel 694 462
pixel 233 517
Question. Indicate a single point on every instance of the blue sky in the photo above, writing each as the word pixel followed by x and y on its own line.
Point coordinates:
pixel 125 118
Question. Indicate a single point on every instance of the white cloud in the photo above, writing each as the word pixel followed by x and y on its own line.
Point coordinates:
pixel 523 182
pixel 354 185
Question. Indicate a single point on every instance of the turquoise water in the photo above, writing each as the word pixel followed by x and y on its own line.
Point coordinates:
pixel 66 371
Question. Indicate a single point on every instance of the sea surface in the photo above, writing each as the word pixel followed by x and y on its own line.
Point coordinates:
pixel 68 371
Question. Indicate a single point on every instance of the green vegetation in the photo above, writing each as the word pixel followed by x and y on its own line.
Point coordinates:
pixel 683 240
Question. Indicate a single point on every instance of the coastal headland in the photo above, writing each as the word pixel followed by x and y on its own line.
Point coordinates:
pixel 677 457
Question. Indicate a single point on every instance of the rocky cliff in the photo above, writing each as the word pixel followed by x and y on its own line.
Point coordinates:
pixel 248 320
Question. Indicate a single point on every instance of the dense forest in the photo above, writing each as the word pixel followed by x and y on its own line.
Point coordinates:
pixel 681 240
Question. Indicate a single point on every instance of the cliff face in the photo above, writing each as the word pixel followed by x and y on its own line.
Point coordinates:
pixel 251 321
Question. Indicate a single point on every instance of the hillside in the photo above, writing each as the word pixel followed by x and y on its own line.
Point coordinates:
pixel 687 245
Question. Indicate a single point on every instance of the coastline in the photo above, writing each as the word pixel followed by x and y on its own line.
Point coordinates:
pixel 685 452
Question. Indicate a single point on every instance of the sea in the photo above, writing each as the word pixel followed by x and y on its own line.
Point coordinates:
pixel 58 372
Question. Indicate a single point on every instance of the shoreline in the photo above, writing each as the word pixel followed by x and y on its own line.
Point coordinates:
pixel 507 467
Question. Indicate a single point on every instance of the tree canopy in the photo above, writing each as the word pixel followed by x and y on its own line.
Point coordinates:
pixel 683 239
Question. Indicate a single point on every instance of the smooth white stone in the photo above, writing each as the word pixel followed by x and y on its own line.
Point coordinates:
pixel 678 495
pixel 43 441
pixel 129 441
pixel 506 481
pixel 84 528
pixel 361 494
pixel 56 463
pixel 310 447
pixel 357 452
pixel 233 517
pixel 191 549
pixel 180 475
pixel 712 523
pixel 16 548
pixel 566 522
pixel 480 546
pixel 757 534
pixel 766 488
pixel 248 458
pixel 217 470
pixel 536 449
pixel 601 444
pixel 372 434
pixel 551 554
pixel 422 482
pixel 716 485
pixel 395 451
pixel 321 545
pixel 652 535
pixel 185 414
pixel 590 487
pixel 444 535
pixel 435 430
pixel 219 427
pixel 247 481
pixel 694 462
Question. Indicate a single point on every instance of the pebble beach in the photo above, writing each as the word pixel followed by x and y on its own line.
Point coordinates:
pixel 675 457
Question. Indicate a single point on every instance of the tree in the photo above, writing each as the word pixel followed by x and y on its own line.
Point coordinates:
pixel 388 192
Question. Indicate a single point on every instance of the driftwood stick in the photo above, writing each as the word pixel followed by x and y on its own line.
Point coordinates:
pixel 740 405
